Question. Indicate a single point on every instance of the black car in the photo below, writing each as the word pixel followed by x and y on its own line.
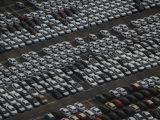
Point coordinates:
pixel 108 96
pixel 145 93
pixel 101 98
pixel 153 91
pixel 142 105
pixel 128 111
pixel 80 65
pixel 58 115
pixel 121 113
pixel 20 5
pixel 132 98
pixel 156 100
pixel 104 109
pixel 106 117
pixel 138 95
pixel 55 93
pixel 114 116
pixel 125 100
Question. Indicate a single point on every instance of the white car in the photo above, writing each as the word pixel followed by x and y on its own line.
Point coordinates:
pixel 150 82
pixel 39 88
pixel 147 115
pixel 121 90
pixel 65 112
pixel 47 50
pixel 136 23
pixel 73 117
pixel 93 37
pixel 10 108
pixel 71 89
pixel 80 106
pixel 25 103
pixel 97 78
pixel 60 80
pixel 64 91
pixel 76 85
pixel 156 79
pixel 126 35
pixel 134 107
pixel 131 118
pixel 12 61
pixel 110 105
pixel 72 109
pixel 33 54
pixel 117 29
pixel 96 111
pixel 143 84
pixel 80 40
pixel 105 33
pixel 90 81
pixel 90 114
pixel 59 72
pixel 115 93
pixel 138 116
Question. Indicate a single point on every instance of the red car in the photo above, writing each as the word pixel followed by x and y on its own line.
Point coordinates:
pixel 136 86
pixel 117 102
pixel 62 13
pixel 81 116
pixel 98 118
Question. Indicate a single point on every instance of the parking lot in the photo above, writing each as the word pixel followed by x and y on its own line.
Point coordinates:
pixel 90 90
pixel 87 98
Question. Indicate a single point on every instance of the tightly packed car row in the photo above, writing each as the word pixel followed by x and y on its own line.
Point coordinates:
pixel 57 18
pixel 132 102
pixel 60 69
pixel 143 28
pixel 146 4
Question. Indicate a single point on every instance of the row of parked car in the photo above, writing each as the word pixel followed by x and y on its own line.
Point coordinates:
pixel 57 18
pixel 77 111
pixel 141 26
pixel 146 4
pixel 131 102
pixel 59 69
